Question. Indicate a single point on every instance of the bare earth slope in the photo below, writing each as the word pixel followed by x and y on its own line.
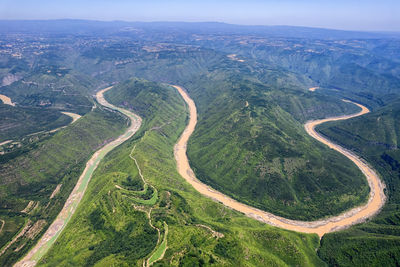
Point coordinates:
pixel 375 202
pixel 6 100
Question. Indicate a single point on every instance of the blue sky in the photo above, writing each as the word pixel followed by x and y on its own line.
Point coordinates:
pixel 340 14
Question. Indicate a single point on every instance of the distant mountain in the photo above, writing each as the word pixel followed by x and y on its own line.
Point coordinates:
pixel 69 26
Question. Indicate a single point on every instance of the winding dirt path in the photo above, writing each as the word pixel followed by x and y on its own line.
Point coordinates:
pixel 356 215
pixel 55 229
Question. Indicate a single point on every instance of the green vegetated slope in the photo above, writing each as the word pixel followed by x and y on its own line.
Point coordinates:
pixel 185 64
pixel 40 95
pixel 343 68
pixel 250 144
pixel 28 181
pixel 170 63
pixel 112 223
pixel 52 87
pixel 351 66
pixel 17 122
pixel 325 191
pixel 376 137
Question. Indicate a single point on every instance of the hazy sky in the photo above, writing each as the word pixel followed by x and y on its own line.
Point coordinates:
pixel 339 14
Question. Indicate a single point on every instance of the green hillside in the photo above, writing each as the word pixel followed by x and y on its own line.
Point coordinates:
pixel 112 223
pixel 52 87
pixel 221 87
pixel 28 183
pixel 17 122
pixel 251 88
pixel 354 66
pixel 249 145
pixel 376 137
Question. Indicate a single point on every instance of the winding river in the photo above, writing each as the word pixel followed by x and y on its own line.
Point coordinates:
pixel 376 198
pixel 55 229
pixel 356 215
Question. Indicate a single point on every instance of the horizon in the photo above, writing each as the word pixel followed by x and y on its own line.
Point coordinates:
pixel 199 22
pixel 341 15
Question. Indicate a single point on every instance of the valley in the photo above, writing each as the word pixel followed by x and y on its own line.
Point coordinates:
pixel 111 221
pixel 275 146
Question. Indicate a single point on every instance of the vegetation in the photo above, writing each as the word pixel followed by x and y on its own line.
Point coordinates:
pixel 249 142
pixel 376 242
pixel 28 188
pixel 248 145
pixel 161 249
pixel 40 93
pixel 17 122
pixel 240 240
pixel 52 87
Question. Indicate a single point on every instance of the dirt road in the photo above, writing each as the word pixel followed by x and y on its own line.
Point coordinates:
pixel 55 229
pixel 356 215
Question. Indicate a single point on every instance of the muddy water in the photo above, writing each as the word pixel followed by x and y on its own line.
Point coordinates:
pixel 376 198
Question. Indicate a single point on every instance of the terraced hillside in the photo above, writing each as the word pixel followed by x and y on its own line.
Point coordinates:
pixel 376 137
pixel 126 220
pixel 35 184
